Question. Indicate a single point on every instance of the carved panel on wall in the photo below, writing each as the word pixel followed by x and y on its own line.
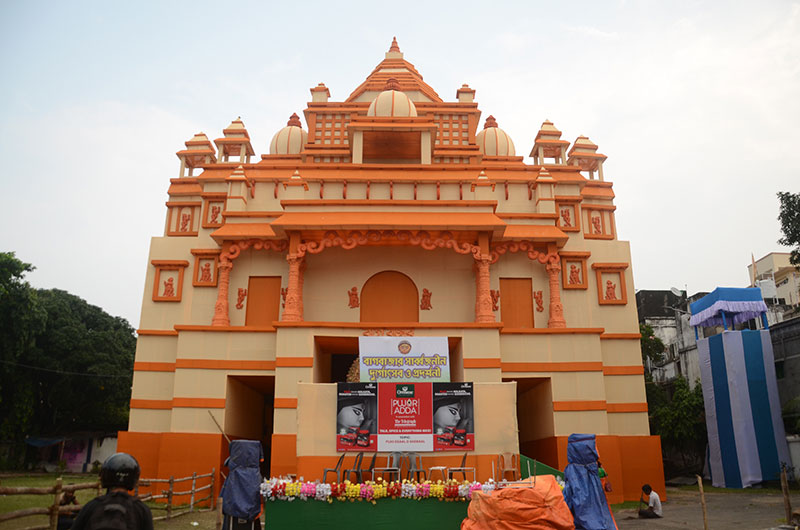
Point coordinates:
pixel 537 296
pixel 240 297
pixel 389 332
pixel 353 297
pixel 213 207
pixel 168 280
pixel 611 288
pixel 425 302
pixel 183 218
pixel 284 290
pixel 495 293
pixel 599 222
pixel 206 267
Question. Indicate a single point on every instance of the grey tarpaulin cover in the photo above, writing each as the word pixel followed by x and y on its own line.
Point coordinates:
pixel 240 494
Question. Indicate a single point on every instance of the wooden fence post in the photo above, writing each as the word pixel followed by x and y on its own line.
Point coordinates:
pixel 219 514
pixel 169 496
pixel 212 501
pixel 54 507
pixel 194 485
pixel 702 501
pixel 787 505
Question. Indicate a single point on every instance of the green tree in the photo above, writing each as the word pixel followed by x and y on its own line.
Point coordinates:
pixel 652 347
pixel 681 424
pixel 65 365
pixel 789 217
pixel 21 320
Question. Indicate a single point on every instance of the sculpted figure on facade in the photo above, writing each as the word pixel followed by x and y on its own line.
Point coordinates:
pixel 214 214
pixel 169 288
pixel 205 273
pixel 611 290
pixel 185 222
pixel 495 298
pixel 240 298
pixel 597 223
pixel 566 217
pixel 425 303
pixel 353 294
pixel 574 275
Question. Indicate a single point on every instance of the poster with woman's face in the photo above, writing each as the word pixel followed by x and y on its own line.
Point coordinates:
pixel 356 417
pixel 453 417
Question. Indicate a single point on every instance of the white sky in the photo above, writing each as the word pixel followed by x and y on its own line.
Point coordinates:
pixel 696 104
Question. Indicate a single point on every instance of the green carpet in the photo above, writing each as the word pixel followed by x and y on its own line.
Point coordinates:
pixel 386 513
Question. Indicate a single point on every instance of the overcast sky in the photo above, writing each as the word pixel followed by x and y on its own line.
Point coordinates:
pixel 696 105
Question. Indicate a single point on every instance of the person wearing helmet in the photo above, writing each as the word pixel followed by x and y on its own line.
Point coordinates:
pixel 116 509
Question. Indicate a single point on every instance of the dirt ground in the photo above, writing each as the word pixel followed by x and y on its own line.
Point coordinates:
pixel 749 509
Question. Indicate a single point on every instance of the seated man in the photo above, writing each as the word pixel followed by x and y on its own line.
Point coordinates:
pixel 653 510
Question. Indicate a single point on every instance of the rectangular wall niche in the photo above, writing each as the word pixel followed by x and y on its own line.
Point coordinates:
pixel 598 222
pixel 183 218
pixel 206 267
pixel 168 280
pixel 573 270
pixel 568 215
pixel 213 206
pixel 611 288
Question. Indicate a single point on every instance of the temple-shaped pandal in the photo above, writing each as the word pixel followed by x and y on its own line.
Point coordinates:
pixel 391 213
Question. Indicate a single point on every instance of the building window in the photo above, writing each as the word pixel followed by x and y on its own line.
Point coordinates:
pixel 168 280
pixel 611 289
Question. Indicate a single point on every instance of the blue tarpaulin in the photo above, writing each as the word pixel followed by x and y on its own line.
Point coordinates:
pixel 241 496
pixel 584 491
pixel 740 304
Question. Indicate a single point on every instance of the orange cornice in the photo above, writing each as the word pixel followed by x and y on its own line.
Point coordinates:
pixel 153 404
pixel 570 406
pixel 507 215
pixel 184 180
pixel 285 403
pixel 620 336
pixel 170 263
pixel 491 362
pixel 149 366
pixel 224 364
pixel 389 325
pixel 609 266
pixel 573 254
pixel 200 403
pixel 588 366
pixel 294 362
pixel 252 214
pixel 626 407
pixel 623 370
pixel 157 332
pixel 552 331
pixel 385 202
pixel 245 329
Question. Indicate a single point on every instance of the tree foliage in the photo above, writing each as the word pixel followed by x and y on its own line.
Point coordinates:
pixel 66 365
pixel 680 421
pixel 652 347
pixel 789 217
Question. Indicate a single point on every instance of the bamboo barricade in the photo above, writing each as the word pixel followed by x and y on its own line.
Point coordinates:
pixel 54 510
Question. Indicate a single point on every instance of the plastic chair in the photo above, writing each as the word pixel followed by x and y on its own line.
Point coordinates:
pixel 394 461
pixel 440 469
pixel 337 470
pixel 508 462
pixel 356 468
pixel 415 466
pixel 462 469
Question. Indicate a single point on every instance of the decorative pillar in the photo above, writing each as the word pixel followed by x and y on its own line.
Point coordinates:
pixel 553 269
pixel 483 296
pixel 221 306
pixel 293 311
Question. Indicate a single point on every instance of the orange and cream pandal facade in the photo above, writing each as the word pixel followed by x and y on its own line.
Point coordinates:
pixel 393 213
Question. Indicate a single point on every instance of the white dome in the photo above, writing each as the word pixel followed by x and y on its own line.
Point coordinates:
pixel 493 141
pixel 392 103
pixel 289 140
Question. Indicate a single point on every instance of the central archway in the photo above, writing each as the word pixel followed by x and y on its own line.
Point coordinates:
pixel 389 296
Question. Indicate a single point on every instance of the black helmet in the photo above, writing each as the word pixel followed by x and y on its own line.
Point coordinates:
pixel 120 470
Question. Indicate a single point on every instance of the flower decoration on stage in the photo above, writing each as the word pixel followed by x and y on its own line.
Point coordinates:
pixel 284 489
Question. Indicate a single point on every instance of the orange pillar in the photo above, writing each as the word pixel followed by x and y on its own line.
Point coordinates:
pixel 553 269
pixel 293 312
pixel 221 306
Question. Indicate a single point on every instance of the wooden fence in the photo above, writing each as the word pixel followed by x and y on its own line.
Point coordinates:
pixel 54 510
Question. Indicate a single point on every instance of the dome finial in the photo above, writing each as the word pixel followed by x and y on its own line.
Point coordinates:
pixel 392 84
pixel 394 47
pixel 490 122
pixel 294 120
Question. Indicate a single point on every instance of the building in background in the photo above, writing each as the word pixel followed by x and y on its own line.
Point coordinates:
pixel 778 278
pixel 393 212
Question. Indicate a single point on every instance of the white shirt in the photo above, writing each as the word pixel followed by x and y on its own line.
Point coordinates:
pixel 655 503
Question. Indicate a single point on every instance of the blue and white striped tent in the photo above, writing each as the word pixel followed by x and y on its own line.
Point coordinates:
pixel 746 438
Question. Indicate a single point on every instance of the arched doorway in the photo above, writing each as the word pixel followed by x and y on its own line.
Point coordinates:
pixel 389 296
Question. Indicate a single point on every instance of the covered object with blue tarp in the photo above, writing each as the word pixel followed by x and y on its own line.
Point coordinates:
pixel 584 491
pixel 241 496
pixel 746 438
